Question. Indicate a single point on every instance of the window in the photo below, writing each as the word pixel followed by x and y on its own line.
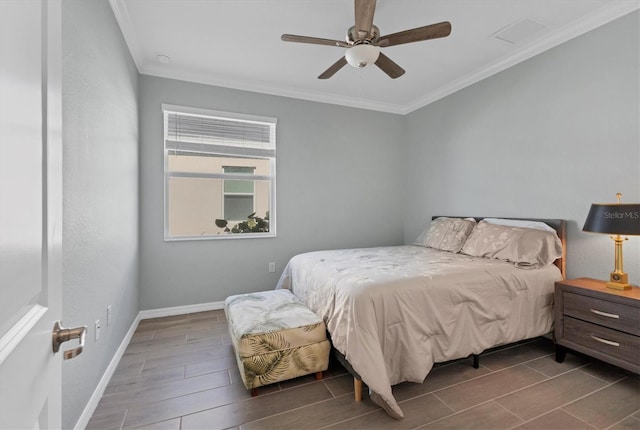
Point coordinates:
pixel 219 174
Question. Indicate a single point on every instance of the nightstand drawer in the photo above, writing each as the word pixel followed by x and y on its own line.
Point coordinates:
pixel 610 342
pixel 614 315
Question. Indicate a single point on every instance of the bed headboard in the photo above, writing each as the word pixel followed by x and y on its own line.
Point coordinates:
pixel 557 224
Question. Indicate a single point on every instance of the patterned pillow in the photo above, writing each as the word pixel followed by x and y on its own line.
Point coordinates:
pixel 446 234
pixel 528 248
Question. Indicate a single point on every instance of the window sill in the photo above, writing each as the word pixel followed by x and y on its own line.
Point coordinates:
pixel 222 236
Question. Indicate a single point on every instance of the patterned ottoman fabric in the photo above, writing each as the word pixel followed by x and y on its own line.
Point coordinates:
pixel 275 337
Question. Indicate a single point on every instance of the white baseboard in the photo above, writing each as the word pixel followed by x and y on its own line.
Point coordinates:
pixel 106 377
pixel 180 310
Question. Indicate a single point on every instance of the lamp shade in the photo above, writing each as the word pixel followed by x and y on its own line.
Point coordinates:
pixel 622 219
pixel 362 55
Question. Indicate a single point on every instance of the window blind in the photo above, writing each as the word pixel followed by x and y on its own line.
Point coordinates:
pixel 189 131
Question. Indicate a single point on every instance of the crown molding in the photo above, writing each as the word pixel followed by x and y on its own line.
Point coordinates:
pixel 597 18
pixel 202 78
pixel 121 13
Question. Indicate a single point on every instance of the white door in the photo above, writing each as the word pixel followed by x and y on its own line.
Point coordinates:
pixel 30 212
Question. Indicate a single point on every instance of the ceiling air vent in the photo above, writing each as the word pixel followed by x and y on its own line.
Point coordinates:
pixel 519 31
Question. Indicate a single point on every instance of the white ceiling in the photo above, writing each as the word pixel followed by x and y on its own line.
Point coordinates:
pixel 236 44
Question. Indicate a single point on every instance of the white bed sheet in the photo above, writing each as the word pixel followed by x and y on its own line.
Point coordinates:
pixel 395 311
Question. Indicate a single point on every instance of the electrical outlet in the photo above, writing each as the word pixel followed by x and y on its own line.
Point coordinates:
pixel 109 315
pixel 272 267
pixel 97 330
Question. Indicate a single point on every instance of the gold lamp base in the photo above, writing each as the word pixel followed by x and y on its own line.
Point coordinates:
pixel 619 281
pixel 618 286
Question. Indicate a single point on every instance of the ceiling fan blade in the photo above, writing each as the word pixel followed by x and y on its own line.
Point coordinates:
pixel 389 66
pixel 364 10
pixel 433 31
pixel 313 40
pixel 333 69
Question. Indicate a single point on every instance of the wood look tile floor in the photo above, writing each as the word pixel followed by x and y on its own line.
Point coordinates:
pixel 179 372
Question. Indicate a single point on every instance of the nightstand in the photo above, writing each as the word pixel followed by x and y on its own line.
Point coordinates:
pixel 600 322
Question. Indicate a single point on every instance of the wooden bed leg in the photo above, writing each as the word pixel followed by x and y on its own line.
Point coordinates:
pixel 254 392
pixel 476 361
pixel 319 375
pixel 357 389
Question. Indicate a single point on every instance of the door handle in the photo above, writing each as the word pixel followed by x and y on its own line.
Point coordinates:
pixel 61 335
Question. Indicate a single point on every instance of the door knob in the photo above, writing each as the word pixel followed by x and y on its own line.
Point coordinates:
pixel 61 335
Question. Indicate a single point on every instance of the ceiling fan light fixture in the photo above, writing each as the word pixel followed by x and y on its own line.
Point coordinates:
pixel 362 55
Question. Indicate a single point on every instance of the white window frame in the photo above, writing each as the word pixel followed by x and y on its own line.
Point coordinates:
pixel 239 151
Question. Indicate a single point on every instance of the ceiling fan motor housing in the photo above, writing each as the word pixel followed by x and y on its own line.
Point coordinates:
pixel 354 36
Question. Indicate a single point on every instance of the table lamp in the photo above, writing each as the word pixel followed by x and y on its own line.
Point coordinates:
pixel 619 220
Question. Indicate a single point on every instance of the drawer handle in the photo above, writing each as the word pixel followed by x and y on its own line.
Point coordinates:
pixel 604 314
pixel 605 341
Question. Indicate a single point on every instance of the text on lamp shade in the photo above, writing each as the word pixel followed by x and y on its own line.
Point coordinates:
pixel 621 215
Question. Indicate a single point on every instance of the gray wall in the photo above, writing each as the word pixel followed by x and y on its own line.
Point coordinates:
pixel 543 139
pixel 100 226
pixel 339 182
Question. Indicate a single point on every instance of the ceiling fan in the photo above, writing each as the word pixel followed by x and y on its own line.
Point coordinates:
pixel 363 41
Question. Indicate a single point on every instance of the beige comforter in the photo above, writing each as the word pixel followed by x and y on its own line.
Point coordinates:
pixel 395 311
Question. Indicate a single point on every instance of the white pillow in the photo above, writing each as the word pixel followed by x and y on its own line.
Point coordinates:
pixel 521 223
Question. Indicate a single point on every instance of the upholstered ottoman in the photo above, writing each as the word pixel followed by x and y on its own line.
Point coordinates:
pixel 275 338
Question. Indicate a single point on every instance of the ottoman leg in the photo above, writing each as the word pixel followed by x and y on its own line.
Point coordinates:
pixel 254 392
pixel 319 375
pixel 357 389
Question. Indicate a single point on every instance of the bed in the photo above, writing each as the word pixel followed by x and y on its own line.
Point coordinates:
pixel 465 285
